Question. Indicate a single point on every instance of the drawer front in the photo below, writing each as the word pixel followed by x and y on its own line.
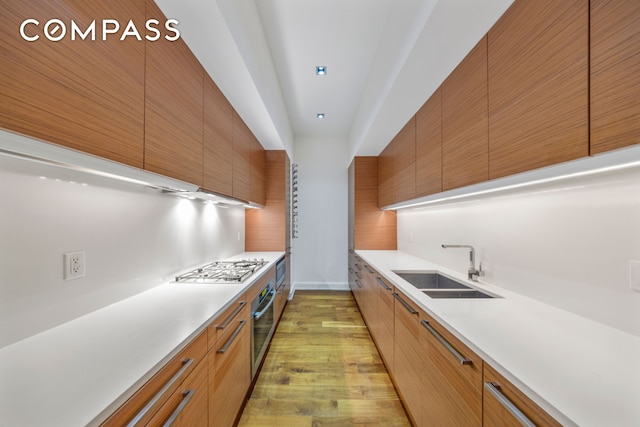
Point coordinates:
pixel 505 406
pixel 141 407
pixel 223 323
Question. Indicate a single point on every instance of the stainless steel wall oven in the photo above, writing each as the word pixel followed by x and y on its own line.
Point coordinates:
pixel 262 323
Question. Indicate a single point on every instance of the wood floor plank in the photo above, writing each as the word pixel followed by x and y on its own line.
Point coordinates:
pixel 323 370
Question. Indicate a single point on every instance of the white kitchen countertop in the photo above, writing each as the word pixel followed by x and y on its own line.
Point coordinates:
pixel 76 374
pixel 580 371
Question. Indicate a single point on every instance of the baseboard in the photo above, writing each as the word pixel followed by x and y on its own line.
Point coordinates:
pixel 315 286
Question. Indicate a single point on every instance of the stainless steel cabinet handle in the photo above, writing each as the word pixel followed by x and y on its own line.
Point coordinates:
pixel 233 336
pixel 358 283
pixel 186 363
pixel 264 310
pixel 358 267
pixel 405 304
pixel 358 275
pixel 368 269
pixel 186 397
pixel 463 360
pixel 232 315
pixel 350 270
pixel 384 285
pixel 494 389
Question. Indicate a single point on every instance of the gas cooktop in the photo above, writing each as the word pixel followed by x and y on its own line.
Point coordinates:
pixel 223 272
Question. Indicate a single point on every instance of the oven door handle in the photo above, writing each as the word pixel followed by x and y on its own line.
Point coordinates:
pixel 258 314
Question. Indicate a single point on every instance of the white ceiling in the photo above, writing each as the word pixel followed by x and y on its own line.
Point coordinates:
pixel 384 59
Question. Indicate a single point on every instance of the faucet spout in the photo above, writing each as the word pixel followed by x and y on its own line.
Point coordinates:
pixel 473 273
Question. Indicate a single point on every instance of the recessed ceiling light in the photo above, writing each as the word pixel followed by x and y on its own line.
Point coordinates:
pixel 320 115
pixel 321 70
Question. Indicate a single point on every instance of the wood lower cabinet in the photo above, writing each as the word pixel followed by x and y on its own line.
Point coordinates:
pixel 506 406
pixel 614 70
pixel 83 94
pixel 385 311
pixel 452 378
pixel 151 397
pixel 539 86
pixel 218 140
pixel 229 372
pixel 188 405
pixel 407 369
pixel 174 108
pixel 465 121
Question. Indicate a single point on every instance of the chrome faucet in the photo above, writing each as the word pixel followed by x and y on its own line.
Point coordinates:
pixel 473 274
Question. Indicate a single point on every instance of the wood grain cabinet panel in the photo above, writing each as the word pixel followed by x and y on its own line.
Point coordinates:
pixel 372 228
pixel 265 229
pixel 396 173
pixel 241 159
pixel 258 160
pixel 495 413
pixel 385 176
pixel 86 95
pixel 174 108
pixel 465 134
pixel 218 140
pixel 429 146
pixel 452 378
pixel 538 86
pixel 615 67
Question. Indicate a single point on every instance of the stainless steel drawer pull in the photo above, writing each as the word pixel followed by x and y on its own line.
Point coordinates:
pixel 384 285
pixel 358 275
pixel 228 320
pixel 463 360
pixel 368 269
pixel 358 267
pixel 494 389
pixel 186 397
pixel 405 304
pixel 350 270
pixel 233 336
pixel 186 364
pixel 358 283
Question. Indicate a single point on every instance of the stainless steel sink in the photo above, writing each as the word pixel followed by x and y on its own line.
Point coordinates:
pixel 430 280
pixel 436 285
pixel 452 293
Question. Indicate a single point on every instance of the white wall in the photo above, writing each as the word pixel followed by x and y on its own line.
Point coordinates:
pixel 567 244
pixel 320 253
pixel 134 238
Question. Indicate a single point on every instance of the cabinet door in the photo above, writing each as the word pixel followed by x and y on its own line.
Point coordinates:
pixel 615 67
pixel 465 127
pixel 406 364
pixel 429 146
pixel 372 228
pixel 386 318
pixel 538 86
pixel 452 380
pixel 188 405
pixel 229 374
pixel 258 162
pixel 503 405
pixel 83 94
pixel 218 143
pixel 385 176
pixel 404 163
pixel 173 108
pixel 241 159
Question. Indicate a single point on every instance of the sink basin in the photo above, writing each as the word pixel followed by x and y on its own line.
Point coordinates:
pixel 430 280
pixel 452 293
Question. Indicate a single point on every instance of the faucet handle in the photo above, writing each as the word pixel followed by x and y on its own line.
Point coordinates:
pixel 480 272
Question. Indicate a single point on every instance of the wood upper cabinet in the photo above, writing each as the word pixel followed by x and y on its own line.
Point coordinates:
pixel 539 85
pixel 615 67
pixel 371 228
pixel 452 378
pixel 241 158
pixel 396 167
pixel 86 95
pixel 265 229
pixel 429 146
pixel 465 134
pixel 499 394
pixel 173 108
pixel 258 159
pixel 218 142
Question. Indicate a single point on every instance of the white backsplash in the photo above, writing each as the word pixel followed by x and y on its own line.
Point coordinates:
pixel 567 244
pixel 134 238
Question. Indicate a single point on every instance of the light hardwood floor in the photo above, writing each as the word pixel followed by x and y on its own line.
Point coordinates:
pixel 323 369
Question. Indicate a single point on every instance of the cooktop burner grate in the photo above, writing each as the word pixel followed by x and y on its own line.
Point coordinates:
pixel 222 272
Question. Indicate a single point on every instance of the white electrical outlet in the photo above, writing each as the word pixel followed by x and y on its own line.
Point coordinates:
pixel 634 275
pixel 74 266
